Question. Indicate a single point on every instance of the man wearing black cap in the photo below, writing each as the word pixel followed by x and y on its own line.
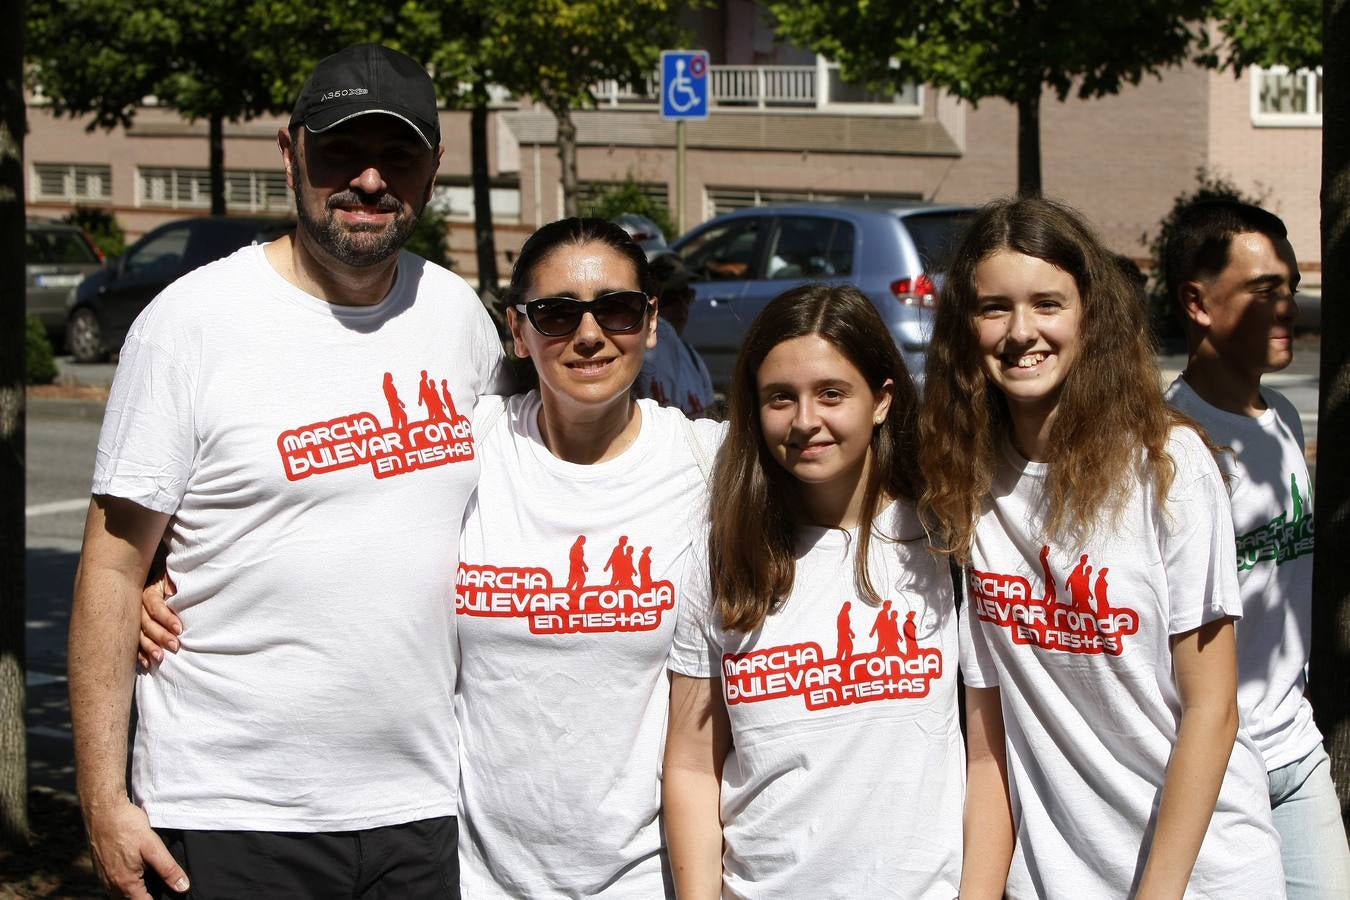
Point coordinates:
pixel 300 742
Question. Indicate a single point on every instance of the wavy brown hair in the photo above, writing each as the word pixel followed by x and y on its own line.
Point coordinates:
pixel 1109 409
pixel 755 508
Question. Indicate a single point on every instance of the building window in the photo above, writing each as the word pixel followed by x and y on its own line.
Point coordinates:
pixel 455 198
pixel 837 95
pixel 71 183
pixel 719 200
pixel 1281 97
pixel 246 190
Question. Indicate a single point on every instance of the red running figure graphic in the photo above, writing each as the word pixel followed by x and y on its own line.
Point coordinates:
pixel 1099 594
pixel 645 568
pixel 397 411
pixel 576 564
pixel 620 564
pixel 1079 585
pixel 427 396
pixel 845 626
pixel 450 411
pixel 911 636
pixel 1049 576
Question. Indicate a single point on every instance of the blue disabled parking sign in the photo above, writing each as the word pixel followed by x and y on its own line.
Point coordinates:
pixel 684 84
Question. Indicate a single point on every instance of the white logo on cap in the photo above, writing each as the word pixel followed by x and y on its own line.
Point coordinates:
pixel 345 92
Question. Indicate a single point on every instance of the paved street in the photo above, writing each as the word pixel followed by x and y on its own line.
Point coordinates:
pixel 62 435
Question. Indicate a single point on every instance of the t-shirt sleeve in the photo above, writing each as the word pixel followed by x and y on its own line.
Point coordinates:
pixel 1198 549
pixel 694 652
pixel 496 377
pixel 148 441
pixel 977 661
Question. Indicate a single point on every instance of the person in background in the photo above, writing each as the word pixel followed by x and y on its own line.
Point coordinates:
pixel 1106 758
pixel 1232 274
pixel 673 374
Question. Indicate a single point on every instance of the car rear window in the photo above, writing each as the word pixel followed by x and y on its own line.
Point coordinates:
pixel 58 247
pixel 936 235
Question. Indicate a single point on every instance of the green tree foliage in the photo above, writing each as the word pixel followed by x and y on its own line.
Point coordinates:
pixel 628 197
pixel 101 226
pixel 428 239
pixel 1009 49
pixel 219 60
pixel 556 50
pixel 1267 33
pixel 39 359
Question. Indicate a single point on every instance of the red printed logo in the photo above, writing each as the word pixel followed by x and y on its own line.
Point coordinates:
pixel 898 669
pixel 630 601
pixel 1084 623
pixel 358 439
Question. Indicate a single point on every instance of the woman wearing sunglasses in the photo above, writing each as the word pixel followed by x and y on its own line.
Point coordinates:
pixel 571 554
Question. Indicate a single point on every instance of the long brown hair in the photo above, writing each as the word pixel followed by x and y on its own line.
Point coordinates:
pixel 1111 405
pixel 754 501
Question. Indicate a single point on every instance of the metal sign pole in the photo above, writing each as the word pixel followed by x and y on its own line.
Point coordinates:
pixel 679 175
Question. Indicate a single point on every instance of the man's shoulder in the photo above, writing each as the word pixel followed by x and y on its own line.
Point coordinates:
pixel 436 280
pixel 204 298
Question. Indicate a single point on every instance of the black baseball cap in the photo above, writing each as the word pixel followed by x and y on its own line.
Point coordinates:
pixel 368 78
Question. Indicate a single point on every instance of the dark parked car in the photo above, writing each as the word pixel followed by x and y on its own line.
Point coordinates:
pixel 895 253
pixel 107 302
pixel 58 258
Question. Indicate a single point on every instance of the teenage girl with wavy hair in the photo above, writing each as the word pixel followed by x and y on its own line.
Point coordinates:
pixel 1098 646
pixel 813 748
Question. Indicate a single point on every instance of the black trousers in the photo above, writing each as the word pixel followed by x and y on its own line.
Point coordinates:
pixel 414 860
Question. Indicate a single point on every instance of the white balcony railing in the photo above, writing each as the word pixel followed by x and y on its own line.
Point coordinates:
pixel 758 87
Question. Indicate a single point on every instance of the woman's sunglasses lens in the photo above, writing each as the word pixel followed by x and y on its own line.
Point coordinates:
pixel 620 312
pixel 556 317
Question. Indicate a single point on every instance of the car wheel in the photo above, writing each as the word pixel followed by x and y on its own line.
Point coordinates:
pixel 84 336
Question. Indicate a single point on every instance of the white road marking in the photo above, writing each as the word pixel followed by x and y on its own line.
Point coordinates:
pixel 59 506
pixel 60 734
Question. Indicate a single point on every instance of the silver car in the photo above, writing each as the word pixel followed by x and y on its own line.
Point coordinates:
pixel 58 258
pixel 895 253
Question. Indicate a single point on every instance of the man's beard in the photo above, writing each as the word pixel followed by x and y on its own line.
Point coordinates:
pixel 360 244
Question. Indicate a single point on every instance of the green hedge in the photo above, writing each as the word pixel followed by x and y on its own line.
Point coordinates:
pixel 40 359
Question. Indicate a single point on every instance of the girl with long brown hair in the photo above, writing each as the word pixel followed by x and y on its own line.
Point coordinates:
pixel 1097 642
pixel 813 747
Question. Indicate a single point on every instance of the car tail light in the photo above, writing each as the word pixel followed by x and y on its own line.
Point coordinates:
pixel 917 291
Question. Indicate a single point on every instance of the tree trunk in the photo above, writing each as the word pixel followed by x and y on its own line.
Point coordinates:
pixel 1029 144
pixel 567 156
pixel 216 142
pixel 483 237
pixel 13 736
pixel 1329 681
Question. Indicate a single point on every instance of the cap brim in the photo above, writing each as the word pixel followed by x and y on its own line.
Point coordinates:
pixel 331 118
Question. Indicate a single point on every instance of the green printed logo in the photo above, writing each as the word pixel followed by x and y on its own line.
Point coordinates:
pixel 1285 537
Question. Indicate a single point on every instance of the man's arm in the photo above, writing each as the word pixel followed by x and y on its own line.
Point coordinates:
pixel 120 538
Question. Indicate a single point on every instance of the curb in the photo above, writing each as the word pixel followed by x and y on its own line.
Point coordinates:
pixel 51 408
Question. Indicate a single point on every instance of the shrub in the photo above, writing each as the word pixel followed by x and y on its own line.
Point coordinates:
pixel 38 355
pixel 628 197
pixel 429 239
pixel 1165 321
pixel 101 226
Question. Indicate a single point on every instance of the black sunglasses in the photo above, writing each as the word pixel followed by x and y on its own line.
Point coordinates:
pixel 620 312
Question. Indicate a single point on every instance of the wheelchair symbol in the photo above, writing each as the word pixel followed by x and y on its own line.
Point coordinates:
pixel 680 93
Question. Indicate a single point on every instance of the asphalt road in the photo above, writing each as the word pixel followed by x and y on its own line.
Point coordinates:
pixel 62 435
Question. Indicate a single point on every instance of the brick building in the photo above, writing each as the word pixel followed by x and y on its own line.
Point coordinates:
pixel 783 127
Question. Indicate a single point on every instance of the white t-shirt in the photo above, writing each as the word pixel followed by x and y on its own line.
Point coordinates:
pixel 673 374
pixel 315 504
pixel 1271 496
pixel 847 772
pixel 1077 640
pixel 569 581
